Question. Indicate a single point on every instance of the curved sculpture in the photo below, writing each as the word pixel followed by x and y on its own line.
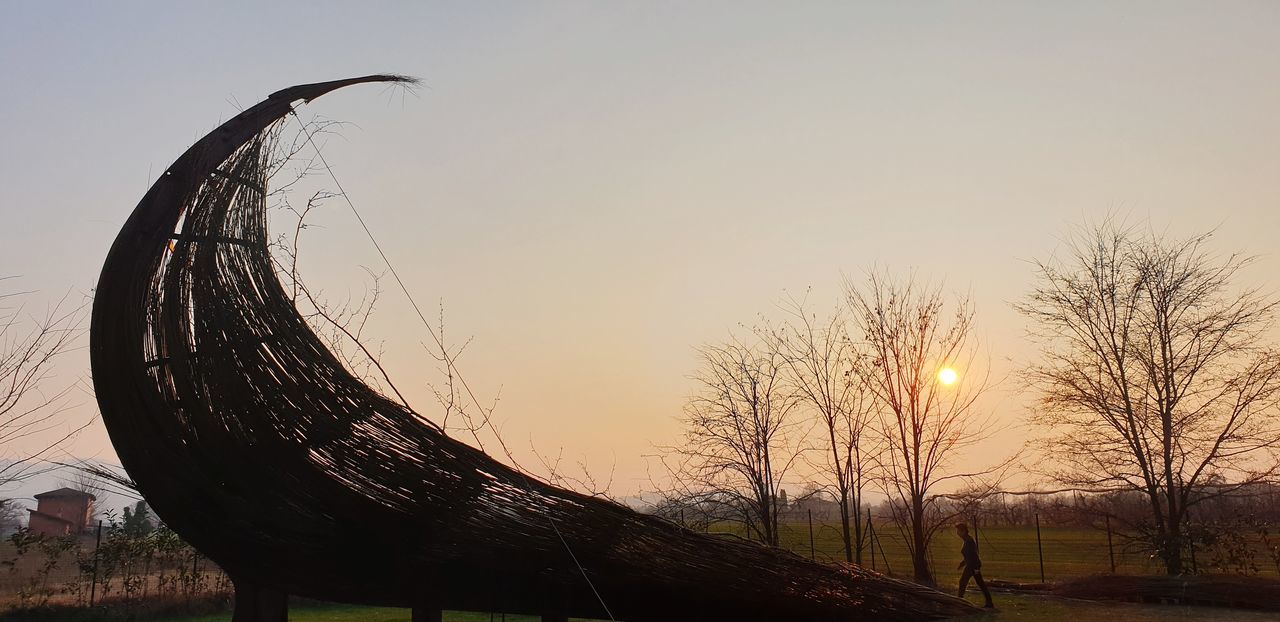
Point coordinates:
pixel 252 441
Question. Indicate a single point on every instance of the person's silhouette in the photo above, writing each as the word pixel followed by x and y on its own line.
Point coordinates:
pixel 971 564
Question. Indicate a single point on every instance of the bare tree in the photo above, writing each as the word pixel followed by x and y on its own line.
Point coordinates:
pixel 740 437
pixel 910 336
pixel 10 515
pixel 31 425
pixel 1156 374
pixel 820 360
pixel 89 482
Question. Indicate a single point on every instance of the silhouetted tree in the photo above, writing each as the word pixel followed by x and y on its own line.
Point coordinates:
pixel 30 410
pixel 909 337
pixel 10 515
pixel 137 520
pixel 89 482
pixel 740 438
pixel 1156 373
pixel 820 360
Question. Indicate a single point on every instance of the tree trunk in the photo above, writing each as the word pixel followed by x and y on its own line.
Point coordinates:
pixel 844 529
pixel 860 530
pixel 920 544
pixel 1171 551
pixel 859 535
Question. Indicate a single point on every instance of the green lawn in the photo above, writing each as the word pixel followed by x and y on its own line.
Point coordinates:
pixel 1051 609
pixel 1010 607
pixel 363 614
pixel 1008 553
pixel 327 614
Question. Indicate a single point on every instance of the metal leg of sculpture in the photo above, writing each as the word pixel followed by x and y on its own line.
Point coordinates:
pixel 255 603
pixel 427 614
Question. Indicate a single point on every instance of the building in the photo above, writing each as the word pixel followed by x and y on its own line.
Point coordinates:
pixel 820 505
pixel 823 509
pixel 61 512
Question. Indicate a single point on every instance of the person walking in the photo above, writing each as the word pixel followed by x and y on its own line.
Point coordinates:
pixel 971 564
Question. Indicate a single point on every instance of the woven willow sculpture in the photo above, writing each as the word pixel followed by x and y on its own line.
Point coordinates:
pixel 253 442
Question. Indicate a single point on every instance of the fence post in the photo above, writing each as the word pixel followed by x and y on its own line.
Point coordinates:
pixel 428 614
pixel 1111 550
pixel 812 553
pixel 871 539
pixel 887 568
pixel 1039 547
pixel 93 586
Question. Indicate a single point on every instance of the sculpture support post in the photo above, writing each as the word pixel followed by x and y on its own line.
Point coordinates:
pixel 256 603
pixel 427 614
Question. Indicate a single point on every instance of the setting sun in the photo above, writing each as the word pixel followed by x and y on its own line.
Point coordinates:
pixel 947 376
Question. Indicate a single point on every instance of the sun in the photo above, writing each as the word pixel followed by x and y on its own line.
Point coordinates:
pixel 946 375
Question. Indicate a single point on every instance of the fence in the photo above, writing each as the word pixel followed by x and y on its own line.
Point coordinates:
pixel 1036 552
pixel 110 565
pixel 135 566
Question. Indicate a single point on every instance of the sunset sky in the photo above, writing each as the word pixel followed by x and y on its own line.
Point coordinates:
pixel 594 189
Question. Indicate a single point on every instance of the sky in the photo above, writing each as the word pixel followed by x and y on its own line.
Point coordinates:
pixel 591 190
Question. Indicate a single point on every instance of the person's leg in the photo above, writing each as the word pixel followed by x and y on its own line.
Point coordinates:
pixel 964 581
pixel 982 585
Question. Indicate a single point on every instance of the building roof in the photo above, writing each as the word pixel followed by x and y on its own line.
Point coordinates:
pixel 64 492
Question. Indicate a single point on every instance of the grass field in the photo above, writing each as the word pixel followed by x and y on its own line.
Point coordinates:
pixel 362 614
pixel 1008 553
pixel 1010 607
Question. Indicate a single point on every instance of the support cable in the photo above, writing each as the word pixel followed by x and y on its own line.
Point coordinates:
pixel 440 343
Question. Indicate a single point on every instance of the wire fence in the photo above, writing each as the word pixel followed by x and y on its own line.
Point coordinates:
pixel 1042 550
pixel 79 570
